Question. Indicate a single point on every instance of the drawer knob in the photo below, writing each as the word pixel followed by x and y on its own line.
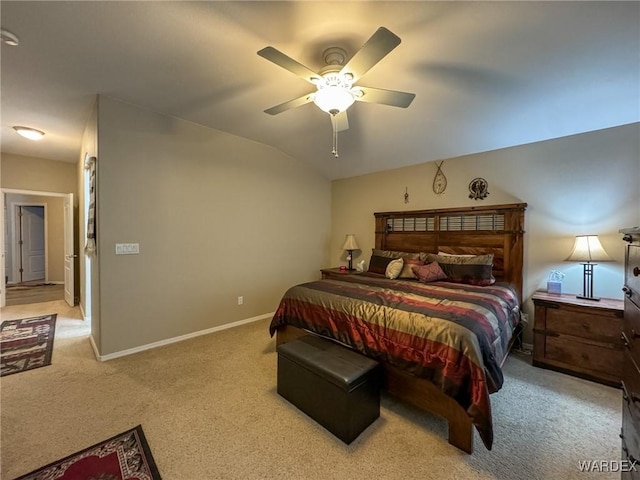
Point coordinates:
pixel 636 271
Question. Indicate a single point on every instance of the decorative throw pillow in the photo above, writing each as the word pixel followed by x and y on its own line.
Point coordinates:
pixel 474 270
pixel 378 264
pixel 407 268
pixel 431 272
pixel 394 268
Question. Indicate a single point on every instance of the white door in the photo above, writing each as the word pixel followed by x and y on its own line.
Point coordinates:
pixel 69 257
pixel 33 243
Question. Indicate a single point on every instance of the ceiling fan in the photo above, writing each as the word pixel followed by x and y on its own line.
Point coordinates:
pixel 335 89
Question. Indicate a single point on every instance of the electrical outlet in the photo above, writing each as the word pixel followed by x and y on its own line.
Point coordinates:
pixel 240 300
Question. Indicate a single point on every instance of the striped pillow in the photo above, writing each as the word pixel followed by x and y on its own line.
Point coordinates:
pixel 407 268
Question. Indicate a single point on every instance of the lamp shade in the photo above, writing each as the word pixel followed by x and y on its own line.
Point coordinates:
pixel 350 242
pixel 587 248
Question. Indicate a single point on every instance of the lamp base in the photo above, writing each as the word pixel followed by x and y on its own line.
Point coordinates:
pixel 582 297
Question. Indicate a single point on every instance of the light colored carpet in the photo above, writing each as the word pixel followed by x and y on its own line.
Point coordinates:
pixel 209 409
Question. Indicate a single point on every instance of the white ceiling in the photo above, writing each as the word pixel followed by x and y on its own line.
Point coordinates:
pixel 486 75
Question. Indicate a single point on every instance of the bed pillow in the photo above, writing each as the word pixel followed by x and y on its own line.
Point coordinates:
pixel 393 254
pixel 394 268
pixel 407 268
pixel 475 270
pixel 378 264
pixel 431 272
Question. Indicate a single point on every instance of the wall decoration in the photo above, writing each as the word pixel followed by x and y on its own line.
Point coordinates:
pixel 406 195
pixel 439 181
pixel 478 188
pixel 90 164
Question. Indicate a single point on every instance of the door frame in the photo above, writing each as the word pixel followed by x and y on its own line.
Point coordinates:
pixel 3 286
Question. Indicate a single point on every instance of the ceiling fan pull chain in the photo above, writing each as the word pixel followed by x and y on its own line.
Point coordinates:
pixel 334 126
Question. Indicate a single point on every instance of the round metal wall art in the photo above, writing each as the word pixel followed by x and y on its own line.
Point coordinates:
pixel 478 188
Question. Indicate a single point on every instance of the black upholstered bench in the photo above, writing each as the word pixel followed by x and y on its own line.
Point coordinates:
pixel 338 388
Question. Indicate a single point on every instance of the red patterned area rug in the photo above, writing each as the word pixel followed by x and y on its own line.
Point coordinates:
pixel 124 457
pixel 26 343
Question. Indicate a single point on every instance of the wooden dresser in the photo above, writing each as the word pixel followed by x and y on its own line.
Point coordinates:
pixel 579 337
pixel 630 432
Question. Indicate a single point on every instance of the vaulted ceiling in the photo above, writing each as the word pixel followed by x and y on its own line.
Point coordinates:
pixel 486 75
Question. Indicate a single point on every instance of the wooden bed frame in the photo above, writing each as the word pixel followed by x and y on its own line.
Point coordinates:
pixel 496 229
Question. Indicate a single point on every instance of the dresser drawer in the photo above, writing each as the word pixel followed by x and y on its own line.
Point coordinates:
pixel 630 439
pixel 631 398
pixel 584 356
pixel 631 330
pixel 603 326
pixel 632 274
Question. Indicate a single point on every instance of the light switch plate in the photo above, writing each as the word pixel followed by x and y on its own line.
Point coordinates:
pixel 127 248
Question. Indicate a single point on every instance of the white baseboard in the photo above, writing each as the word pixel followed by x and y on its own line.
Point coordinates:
pixel 149 346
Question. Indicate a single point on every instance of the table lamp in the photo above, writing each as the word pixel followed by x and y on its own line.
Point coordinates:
pixel 588 249
pixel 350 245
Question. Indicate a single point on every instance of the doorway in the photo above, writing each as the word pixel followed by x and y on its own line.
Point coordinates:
pixel 38 245
pixel 29 244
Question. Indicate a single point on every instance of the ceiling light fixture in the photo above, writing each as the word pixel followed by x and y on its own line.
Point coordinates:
pixel 334 94
pixel 9 38
pixel 30 133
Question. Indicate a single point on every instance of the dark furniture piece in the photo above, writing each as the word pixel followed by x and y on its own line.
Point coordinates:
pixel 497 229
pixel 630 432
pixel 578 337
pixel 336 272
pixel 338 388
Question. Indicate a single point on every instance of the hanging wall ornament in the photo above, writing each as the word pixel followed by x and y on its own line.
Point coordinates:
pixel 406 195
pixel 478 188
pixel 439 181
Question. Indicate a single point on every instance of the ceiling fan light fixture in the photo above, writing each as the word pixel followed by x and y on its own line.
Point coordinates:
pixel 333 99
pixel 30 133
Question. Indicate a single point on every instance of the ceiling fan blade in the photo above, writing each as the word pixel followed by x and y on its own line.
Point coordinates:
pixel 342 121
pixel 296 102
pixel 289 64
pixel 374 50
pixel 385 97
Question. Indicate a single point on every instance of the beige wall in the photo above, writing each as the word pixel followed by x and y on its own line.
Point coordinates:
pixel 89 272
pixel 583 184
pixel 216 217
pixel 39 174
pixel 54 231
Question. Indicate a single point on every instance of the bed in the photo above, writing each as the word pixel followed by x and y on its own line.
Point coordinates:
pixel 441 343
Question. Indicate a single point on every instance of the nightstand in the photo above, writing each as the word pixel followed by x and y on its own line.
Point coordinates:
pixel 579 337
pixel 336 272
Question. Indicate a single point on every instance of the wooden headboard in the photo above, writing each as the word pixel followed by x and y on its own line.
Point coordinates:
pixel 496 229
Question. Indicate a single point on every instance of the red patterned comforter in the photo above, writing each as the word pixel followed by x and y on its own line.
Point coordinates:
pixel 452 334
